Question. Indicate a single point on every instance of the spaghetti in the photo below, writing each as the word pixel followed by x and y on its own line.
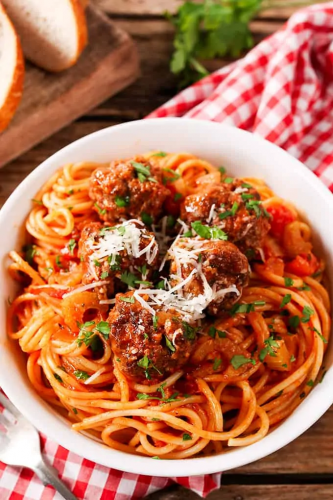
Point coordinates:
pixel 224 380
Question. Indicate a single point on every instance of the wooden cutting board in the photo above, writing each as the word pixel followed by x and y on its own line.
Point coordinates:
pixel 50 101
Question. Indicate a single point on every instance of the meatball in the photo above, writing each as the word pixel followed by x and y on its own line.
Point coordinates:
pixel 108 252
pixel 128 189
pixel 220 264
pixel 148 346
pixel 234 208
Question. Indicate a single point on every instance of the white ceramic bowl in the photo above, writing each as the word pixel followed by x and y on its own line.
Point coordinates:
pixel 243 154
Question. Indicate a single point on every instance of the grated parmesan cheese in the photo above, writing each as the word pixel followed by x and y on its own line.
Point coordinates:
pixel 113 241
pixel 85 287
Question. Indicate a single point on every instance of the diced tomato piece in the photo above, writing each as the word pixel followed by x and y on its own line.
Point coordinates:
pixel 303 265
pixel 274 265
pixel 281 216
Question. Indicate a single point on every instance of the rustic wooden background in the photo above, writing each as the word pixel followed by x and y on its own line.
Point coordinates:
pixel 304 469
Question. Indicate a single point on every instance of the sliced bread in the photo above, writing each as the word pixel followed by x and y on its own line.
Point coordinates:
pixel 53 32
pixel 11 70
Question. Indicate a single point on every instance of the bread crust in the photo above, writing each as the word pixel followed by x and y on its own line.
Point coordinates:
pixel 14 94
pixel 81 26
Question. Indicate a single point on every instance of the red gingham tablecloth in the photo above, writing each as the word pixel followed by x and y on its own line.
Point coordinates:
pixel 282 90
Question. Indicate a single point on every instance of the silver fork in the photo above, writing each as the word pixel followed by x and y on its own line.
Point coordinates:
pixel 20 446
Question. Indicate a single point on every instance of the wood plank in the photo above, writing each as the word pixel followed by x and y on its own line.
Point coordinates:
pixel 158 7
pixel 50 101
pixel 249 492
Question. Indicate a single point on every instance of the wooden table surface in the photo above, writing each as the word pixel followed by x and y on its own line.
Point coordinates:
pixel 302 470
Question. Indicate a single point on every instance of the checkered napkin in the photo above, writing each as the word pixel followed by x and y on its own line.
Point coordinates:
pixel 282 90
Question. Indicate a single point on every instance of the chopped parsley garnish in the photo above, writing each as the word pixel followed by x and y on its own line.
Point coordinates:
pixel 103 327
pixel 49 270
pixel 288 281
pixel 292 358
pixel 30 252
pixel 171 221
pixel 213 331
pixel 319 335
pixel 97 263
pixel 294 321
pixel 304 288
pixel 155 322
pixel 239 360
pixel 246 185
pixel 187 234
pixel 278 394
pixel 189 331
pixel 128 278
pixel 286 299
pixel 104 275
pixel 310 383
pixel 56 376
pixel 74 411
pixel 187 437
pixel 322 377
pixel 146 218
pixel 81 375
pixel 160 154
pixel 122 201
pixel 142 171
pixel 57 261
pixel 174 175
pixel 214 233
pixel 39 202
pixel 156 457
pixel 100 210
pixel 146 336
pixel 246 308
pixel 316 274
pixel 85 335
pixel 228 180
pixel 229 213
pixel 222 170
pixel 250 253
pixel 146 364
pixel 270 343
pixel 254 205
pixel 200 257
pixel 142 282
pixel 130 300
pixel 302 395
pixel 155 419
pixel 217 363
pixel 71 191
pixel 247 196
pixel 71 245
pixel 121 230
pixel 117 261
pixel 169 344
pixel 307 312
pixel 178 196
pixel 161 285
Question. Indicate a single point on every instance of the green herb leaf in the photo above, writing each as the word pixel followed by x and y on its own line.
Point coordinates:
pixel 214 233
pixel 146 218
pixel 286 299
pixel 213 331
pixel 57 261
pixel 189 331
pixel 288 281
pixel 38 202
pixel 310 383
pixel 141 169
pixel 104 275
pixel 71 245
pixel 217 363
pixel 294 321
pixel 104 328
pixel 57 377
pixel 239 360
pixel 81 375
pixel 222 170
pixel 307 313
pixel 101 211
pixel 160 154
pixel 122 201
pixel 228 180
pixel 319 335
pixel 130 300
pixel 161 285
pixel 255 206
pixel 155 322
pixel 128 278
pixel 178 196
pixel 30 252
pixel 187 437
pixel 246 308
pixel 97 263
pixel 169 344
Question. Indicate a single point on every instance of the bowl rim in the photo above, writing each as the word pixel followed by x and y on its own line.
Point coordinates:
pixel 44 418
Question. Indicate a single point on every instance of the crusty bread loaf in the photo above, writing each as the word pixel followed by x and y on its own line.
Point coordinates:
pixel 11 70
pixel 53 32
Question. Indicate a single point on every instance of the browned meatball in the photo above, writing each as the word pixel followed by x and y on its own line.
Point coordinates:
pixel 147 346
pixel 234 208
pixel 220 264
pixel 128 189
pixel 108 252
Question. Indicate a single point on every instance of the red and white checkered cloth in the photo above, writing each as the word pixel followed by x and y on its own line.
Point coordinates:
pixel 282 90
